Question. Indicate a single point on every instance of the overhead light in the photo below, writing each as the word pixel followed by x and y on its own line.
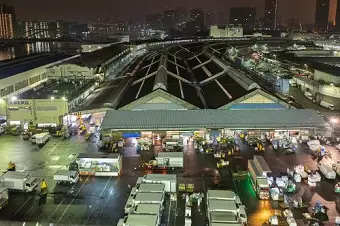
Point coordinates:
pixel 14 98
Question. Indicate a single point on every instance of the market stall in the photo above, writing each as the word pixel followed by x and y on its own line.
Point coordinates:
pixel 99 164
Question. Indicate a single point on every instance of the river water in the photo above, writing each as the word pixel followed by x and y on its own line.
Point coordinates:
pixel 24 49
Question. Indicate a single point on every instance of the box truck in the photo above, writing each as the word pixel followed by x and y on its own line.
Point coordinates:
pixel 327 170
pixel 258 175
pixel 66 176
pixel 19 181
pixel 3 197
pixel 169 180
pixel 327 105
pixel 166 160
pixel 40 138
pixel 309 96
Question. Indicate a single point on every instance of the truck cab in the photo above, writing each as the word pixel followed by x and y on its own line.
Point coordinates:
pixel 31 183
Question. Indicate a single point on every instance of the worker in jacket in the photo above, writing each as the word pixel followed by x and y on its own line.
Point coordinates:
pixel 11 166
pixel 43 187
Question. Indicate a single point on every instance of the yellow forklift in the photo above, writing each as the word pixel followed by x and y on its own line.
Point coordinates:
pixel 259 147
pixel 82 129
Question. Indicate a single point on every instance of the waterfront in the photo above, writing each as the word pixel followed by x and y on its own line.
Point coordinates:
pixel 23 49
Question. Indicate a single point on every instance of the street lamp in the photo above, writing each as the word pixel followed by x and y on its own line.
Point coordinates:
pixel 64 98
pixel 52 98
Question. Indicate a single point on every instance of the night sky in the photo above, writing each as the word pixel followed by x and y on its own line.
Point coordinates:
pixel 91 10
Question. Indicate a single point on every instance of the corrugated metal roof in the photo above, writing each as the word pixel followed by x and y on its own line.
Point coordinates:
pixel 173 119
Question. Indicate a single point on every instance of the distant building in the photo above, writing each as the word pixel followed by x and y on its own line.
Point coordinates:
pixel 230 31
pixel 197 18
pixel 181 16
pixel 78 30
pixel 270 14
pixel 209 19
pixel 7 22
pixel 154 21
pixel 244 16
pixel 337 17
pixel 222 19
pixel 33 29
pixel 169 19
pixel 321 15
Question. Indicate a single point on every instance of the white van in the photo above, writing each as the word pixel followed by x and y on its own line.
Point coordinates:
pixel 327 105
pixel 327 171
pixel 309 96
pixel 292 83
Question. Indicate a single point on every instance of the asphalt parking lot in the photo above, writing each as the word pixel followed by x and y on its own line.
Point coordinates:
pixel 92 201
pixel 101 200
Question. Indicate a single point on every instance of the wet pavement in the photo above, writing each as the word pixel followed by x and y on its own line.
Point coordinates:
pixel 92 201
pixel 101 200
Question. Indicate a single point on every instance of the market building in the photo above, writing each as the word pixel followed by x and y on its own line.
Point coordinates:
pixel 182 124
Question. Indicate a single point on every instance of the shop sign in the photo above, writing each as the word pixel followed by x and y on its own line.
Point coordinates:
pixel 131 135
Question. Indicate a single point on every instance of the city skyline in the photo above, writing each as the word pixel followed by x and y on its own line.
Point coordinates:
pixel 124 10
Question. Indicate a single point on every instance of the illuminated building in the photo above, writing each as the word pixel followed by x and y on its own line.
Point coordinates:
pixel 7 22
pixel 244 16
pixel 197 18
pixel 169 19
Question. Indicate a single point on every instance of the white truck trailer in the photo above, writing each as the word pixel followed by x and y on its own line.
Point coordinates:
pixel 169 181
pixel 221 195
pixel 170 159
pixel 66 176
pixel 3 197
pixel 40 138
pixel 258 170
pixel 327 171
pixel 19 181
pixel 140 220
pixel 144 197
pixel 148 208
pixel 327 105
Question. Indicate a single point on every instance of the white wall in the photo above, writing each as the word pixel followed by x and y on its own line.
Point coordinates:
pixel 12 80
pixel 69 72
pixel 328 78
pixel 38 110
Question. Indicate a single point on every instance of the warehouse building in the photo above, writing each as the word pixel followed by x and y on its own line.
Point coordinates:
pixel 95 65
pixel 22 74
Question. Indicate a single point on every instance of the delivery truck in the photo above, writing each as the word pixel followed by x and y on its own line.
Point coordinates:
pixel 18 181
pixel 327 105
pixel 3 197
pixel 66 176
pixel 168 160
pixel 40 138
pixel 140 220
pixel 309 96
pixel 169 180
pixel 258 171
pixel 327 170
pixel 145 198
